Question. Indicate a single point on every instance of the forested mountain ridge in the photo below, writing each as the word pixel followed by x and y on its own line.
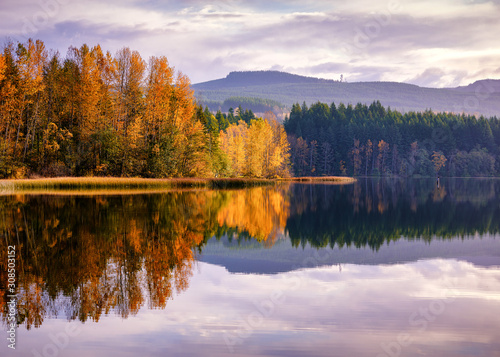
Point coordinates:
pixel 484 85
pixel 479 98
pixel 243 79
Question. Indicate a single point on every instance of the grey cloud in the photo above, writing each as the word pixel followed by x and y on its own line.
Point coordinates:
pixel 302 35
pixel 404 32
pixel 362 33
pixel 100 31
pixel 350 72
pixel 222 15
pixel 321 38
pixel 299 32
pixel 257 5
pixel 329 67
pixel 111 37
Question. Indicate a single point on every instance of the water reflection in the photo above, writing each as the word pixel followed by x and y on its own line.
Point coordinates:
pixel 84 256
pixel 374 212
pixel 98 253
pixel 445 307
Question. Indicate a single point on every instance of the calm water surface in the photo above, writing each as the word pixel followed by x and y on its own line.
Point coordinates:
pixel 378 268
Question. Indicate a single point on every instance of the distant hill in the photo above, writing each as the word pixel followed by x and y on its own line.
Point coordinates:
pixel 482 87
pixel 284 89
pixel 259 78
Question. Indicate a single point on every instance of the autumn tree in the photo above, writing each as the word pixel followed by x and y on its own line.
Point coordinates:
pixel 258 150
pixel 94 114
pixel 232 143
pixel 90 88
pixel 276 147
pixel 128 69
pixel 157 109
pixel 259 134
pixel 170 123
pixel 438 159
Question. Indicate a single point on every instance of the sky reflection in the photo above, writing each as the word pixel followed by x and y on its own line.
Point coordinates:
pixel 444 307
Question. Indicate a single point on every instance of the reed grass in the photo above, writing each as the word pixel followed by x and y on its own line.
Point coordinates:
pixel 96 183
pixel 131 185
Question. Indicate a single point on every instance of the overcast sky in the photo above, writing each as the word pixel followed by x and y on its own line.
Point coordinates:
pixel 433 43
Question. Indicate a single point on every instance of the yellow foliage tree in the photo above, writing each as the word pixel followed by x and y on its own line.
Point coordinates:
pixel 232 142
pixel 259 134
pixel 258 150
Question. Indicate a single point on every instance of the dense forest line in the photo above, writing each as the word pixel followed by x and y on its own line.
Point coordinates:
pixel 92 113
pixel 257 105
pixel 373 140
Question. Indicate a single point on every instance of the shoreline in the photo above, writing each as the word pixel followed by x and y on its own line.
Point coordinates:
pixel 129 185
pixel 336 180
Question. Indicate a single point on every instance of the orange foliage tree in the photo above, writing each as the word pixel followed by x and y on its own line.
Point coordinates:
pixel 92 113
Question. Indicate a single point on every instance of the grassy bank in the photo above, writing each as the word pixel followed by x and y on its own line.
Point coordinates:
pixel 118 184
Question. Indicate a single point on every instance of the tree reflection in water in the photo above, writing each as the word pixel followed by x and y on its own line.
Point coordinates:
pixel 84 256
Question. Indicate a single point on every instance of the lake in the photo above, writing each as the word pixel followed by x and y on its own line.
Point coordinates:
pixel 382 267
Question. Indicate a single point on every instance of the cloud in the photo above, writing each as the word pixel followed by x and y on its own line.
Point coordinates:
pixel 368 40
